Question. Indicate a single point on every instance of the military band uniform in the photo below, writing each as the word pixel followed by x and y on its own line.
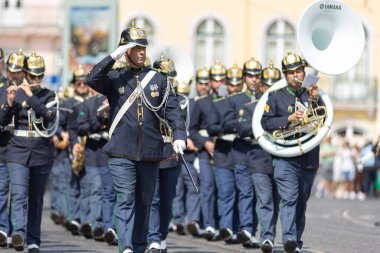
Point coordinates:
pixel 134 167
pixel 261 170
pixel 186 204
pixel 5 136
pixel 71 184
pixel 199 135
pixel 223 164
pixel 96 198
pixel 29 159
pixel 240 147
pixel 165 190
pixel 294 176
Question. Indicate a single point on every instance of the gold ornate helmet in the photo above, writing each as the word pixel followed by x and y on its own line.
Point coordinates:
pixel 202 76
pixel 34 64
pixel 15 62
pixel 252 67
pixel 79 74
pixel 165 66
pixel 218 71
pixel 147 63
pixel 270 75
pixel 1 54
pixel 183 88
pixel 134 34
pixel 234 75
pixel 292 62
pixel 119 65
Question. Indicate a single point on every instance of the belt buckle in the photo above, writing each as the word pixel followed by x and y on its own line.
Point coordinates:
pixel 30 134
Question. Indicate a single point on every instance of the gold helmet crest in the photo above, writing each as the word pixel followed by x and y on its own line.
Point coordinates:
pixel 292 62
pixel 252 67
pixel 235 75
pixel 79 74
pixel 165 66
pixel 270 75
pixel 218 71
pixel 133 34
pixel 202 76
pixel 34 64
pixel 15 62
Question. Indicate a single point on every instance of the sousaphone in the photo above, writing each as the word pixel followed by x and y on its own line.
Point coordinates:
pixel 331 38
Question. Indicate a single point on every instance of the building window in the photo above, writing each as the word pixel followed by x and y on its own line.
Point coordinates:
pixel 6 4
pixel 143 22
pixel 280 39
pixel 209 43
pixel 356 84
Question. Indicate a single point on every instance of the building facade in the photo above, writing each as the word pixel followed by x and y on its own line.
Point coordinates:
pixel 234 31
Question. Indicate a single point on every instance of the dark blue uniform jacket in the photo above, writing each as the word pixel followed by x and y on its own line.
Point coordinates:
pixel 257 159
pixel 26 150
pixel 90 122
pixel 129 140
pixel 279 106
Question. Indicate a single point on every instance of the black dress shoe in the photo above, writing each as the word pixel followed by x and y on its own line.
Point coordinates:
pixel 290 246
pixel 18 242
pixel 193 228
pixel 225 234
pixel 54 216
pixel 153 251
pixel 98 233
pixel 180 229
pixel 110 237
pixel 86 230
pixel 74 227
pixel 267 246
pixel 34 250
pixel 3 239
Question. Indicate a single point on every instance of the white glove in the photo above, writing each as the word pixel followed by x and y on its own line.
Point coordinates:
pixel 179 146
pixel 119 52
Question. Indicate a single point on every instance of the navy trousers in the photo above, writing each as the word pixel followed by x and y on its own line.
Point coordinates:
pixel 28 187
pixel 134 184
pixel 5 224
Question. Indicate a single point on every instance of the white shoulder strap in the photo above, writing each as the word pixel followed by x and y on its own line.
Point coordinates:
pixel 130 101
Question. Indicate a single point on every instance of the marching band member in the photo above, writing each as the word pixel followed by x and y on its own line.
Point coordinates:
pixel 223 160
pixel 15 76
pixel 30 152
pixel 161 209
pixel 294 176
pixel 92 124
pixel 247 199
pixel 186 204
pixel 260 167
pixel 205 144
pixel 71 184
pixel 139 100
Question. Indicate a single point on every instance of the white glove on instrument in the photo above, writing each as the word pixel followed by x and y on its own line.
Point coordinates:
pixel 119 52
pixel 179 146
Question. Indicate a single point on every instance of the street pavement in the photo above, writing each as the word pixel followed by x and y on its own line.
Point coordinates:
pixel 333 226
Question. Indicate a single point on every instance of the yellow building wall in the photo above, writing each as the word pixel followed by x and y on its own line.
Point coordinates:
pixel 246 22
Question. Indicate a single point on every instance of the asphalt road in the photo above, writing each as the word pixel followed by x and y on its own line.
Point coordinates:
pixel 333 226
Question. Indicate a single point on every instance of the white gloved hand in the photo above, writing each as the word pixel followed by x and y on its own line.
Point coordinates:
pixel 120 51
pixel 179 146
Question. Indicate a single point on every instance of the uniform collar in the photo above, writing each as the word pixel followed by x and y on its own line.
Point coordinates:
pixel 296 92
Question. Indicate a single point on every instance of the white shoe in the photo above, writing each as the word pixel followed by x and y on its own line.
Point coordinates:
pixel 127 251
pixel 155 245
pixel 298 250
pixel 33 246
pixel 352 195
